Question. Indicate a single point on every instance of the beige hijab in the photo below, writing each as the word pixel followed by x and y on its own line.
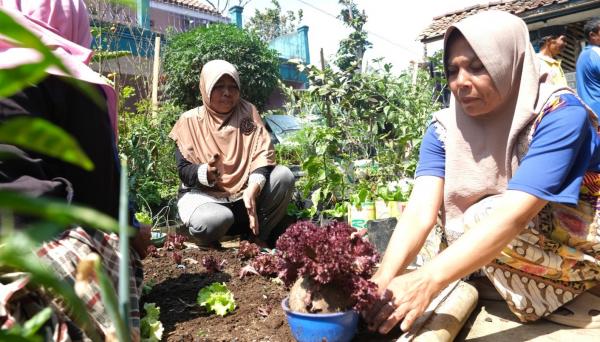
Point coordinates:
pixel 481 152
pixel 239 137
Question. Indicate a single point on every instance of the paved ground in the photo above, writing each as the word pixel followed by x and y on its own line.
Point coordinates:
pixel 491 321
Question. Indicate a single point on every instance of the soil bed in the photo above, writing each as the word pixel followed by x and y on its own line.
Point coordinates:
pixel 257 317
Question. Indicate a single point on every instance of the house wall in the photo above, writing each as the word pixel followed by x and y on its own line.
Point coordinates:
pixel 179 18
pixel 277 98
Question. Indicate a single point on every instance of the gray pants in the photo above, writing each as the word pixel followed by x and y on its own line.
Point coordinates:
pixel 211 221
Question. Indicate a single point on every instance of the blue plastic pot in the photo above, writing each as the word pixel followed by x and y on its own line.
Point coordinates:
pixel 330 327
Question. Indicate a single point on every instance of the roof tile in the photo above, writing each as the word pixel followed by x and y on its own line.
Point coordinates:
pixel 196 5
pixel 442 22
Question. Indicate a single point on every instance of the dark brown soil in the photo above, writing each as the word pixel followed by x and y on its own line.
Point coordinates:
pixel 257 317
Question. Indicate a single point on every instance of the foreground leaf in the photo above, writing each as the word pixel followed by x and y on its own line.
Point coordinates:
pixel 36 322
pixel 58 212
pixel 12 80
pixel 41 136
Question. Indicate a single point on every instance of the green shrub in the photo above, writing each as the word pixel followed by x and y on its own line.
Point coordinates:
pixel 187 52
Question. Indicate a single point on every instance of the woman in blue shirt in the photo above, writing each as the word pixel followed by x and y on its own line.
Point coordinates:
pixel 513 165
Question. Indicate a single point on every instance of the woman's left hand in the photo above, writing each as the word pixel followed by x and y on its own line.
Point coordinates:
pixel 249 197
pixel 405 299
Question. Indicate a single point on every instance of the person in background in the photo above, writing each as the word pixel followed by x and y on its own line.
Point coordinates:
pixel 514 166
pixel 226 162
pixel 588 66
pixel 63 26
pixel 552 44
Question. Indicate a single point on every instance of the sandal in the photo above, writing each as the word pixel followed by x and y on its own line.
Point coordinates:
pixel 581 312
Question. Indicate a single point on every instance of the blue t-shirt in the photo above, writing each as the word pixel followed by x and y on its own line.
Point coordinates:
pixel 563 147
pixel 588 77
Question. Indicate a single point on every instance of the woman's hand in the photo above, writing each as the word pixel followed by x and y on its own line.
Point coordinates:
pixel 212 172
pixel 404 299
pixel 249 197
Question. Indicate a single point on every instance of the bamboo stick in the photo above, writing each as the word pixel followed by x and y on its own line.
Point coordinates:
pixel 124 248
pixel 155 74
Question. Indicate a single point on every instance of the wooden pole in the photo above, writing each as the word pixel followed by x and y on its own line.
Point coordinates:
pixel 322 60
pixel 155 71
pixel 415 72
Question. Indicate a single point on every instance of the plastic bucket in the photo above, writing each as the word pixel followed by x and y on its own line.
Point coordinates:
pixel 330 327
pixel 359 216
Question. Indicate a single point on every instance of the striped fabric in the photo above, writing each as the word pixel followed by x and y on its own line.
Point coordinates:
pixel 63 255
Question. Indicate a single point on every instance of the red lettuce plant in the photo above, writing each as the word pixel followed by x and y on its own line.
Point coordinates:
pixel 267 265
pixel 332 257
pixel 247 250
pixel 212 265
pixel 175 241
pixel 176 256
pixel 153 251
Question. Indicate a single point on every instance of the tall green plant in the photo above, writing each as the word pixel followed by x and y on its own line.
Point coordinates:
pixel 352 49
pixel 271 23
pixel 187 52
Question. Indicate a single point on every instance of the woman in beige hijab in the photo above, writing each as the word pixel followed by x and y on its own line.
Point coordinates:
pixel 226 163
pixel 513 165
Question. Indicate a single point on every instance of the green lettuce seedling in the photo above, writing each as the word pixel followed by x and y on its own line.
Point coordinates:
pixel 216 298
pixel 143 218
pixel 151 329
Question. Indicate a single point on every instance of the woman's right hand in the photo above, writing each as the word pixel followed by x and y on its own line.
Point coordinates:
pixel 212 172
pixel 405 298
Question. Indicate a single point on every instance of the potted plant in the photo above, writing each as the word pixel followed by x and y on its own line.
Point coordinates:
pixel 157 237
pixel 329 268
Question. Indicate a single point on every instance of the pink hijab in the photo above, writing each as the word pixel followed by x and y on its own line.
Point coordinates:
pixel 63 26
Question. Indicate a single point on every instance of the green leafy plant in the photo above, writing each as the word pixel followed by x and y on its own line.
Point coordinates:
pixel 364 191
pixel 288 154
pixel 143 217
pixel 394 191
pixel 216 298
pixel 325 181
pixel 352 48
pixel 153 179
pixel 187 52
pixel 151 328
pixel 147 287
